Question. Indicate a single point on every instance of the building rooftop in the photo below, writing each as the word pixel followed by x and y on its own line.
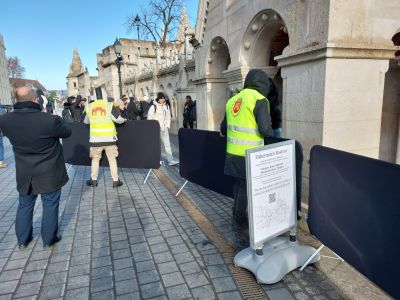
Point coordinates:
pixel 18 82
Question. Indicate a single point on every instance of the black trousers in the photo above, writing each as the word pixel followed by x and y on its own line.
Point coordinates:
pixel 240 200
pixel 186 123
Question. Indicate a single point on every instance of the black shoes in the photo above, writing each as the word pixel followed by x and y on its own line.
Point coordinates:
pixel 91 182
pixel 24 246
pixel 117 183
pixel 56 240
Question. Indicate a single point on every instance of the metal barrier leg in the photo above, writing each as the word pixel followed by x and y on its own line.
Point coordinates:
pixel 311 257
pixel 337 257
pixel 181 188
pixel 147 176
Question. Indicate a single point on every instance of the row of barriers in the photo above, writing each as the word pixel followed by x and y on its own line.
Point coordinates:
pixel 354 201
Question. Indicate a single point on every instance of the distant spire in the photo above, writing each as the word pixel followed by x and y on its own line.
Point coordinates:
pixel 183 25
pixel 76 67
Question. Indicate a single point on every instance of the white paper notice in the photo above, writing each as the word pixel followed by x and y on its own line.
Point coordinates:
pixel 272 192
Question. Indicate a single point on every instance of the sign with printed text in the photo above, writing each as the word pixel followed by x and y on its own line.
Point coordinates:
pixel 271 191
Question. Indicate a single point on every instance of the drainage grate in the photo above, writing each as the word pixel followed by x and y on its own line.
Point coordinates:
pixel 244 279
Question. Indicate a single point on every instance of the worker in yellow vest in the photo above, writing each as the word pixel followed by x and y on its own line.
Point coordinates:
pixel 247 121
pixel 101 116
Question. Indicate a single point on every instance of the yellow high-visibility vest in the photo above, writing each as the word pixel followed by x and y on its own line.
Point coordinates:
pixel 242 128
pixel 99 114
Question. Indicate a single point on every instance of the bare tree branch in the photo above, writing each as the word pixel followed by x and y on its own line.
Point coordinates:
pixel 160 21
pixel 14 67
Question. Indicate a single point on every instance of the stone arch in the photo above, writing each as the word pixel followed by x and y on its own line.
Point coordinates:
pixel 147 91
pixel 217 62
pixel 266 37
pixel 389 148
pixel 141 92
pixel 170 90
pixel 170 94
pixel 218 58
pixel 161 88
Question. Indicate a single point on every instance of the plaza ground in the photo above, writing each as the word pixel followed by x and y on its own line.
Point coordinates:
pixel 141 242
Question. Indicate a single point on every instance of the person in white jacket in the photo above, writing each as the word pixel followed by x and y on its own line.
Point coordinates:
pixel 160 111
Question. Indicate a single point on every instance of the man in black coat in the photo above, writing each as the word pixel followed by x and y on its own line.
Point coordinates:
pixel 39 163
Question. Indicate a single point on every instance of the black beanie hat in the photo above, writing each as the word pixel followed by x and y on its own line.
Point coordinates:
pixel 160 95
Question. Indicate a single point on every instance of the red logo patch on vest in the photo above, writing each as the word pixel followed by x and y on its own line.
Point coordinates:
pixel 236 106
pixel 97 110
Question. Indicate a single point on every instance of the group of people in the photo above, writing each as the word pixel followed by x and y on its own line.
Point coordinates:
pixel 74 109
pixel 251 115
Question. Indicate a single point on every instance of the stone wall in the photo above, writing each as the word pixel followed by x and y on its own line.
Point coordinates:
pixel 5 88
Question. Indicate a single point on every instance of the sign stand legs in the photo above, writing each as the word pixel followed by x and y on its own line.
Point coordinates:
pixel 147 176
pixel 181 188
pixel 278 257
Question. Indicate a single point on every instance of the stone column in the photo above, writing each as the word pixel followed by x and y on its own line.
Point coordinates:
pixel 333 97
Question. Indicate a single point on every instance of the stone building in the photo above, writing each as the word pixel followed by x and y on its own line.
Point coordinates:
pixel 147 69
pixel 79 82
pixel 335 62
pixel 5 88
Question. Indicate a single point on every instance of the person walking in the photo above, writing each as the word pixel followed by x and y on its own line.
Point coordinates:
pixel 160 112
pixel 188 113
pixel 2 163
pixel 101 115
pixel 247 121
pixel 39 163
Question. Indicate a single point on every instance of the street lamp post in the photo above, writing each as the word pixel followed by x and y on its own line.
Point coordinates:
pixel 136 22
pixel 119 61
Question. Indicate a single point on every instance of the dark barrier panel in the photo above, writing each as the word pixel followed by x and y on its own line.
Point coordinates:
pixel 354 209
pixel 202 160
pixel 138 145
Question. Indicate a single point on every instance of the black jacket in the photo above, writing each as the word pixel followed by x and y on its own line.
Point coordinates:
pixel 39 159
pixel 189 112
pixel 275 106
pixel 132 112
pixel 77 112
pixel 256 80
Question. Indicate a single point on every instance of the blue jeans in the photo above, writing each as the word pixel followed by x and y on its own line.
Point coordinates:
pixel 23 222
pixel 1 148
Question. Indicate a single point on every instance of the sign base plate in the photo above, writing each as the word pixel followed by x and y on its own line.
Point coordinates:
pixel 281 256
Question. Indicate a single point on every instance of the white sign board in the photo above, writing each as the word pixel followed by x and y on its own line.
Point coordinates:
pixel 271 191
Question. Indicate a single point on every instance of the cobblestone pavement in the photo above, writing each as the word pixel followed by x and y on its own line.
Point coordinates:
pixel 136 242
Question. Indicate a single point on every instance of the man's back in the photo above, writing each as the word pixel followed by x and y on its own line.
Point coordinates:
pixel 38 153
